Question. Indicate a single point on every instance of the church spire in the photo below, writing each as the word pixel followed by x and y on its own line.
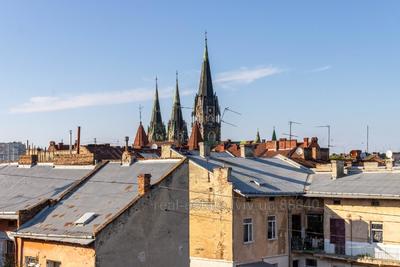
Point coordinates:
pixel 258 138
pixel 156 129
pixel 274 135
pixel 177 129
pixel 206 110
pixel 206 87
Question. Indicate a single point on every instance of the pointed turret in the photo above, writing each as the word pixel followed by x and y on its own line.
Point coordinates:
pixel 258 139
pixel 156 128
pixel 140 138
pixel 206 108
pixel 177 129
pixel 274 135
pixel 195 137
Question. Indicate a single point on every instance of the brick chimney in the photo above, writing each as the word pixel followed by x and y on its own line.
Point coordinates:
pixel 246 151
pixel 306 142
pixel 204 149
pixel 144 183
pixel 337 169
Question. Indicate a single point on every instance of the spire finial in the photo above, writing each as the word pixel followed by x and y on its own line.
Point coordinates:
pixel 140 113
pixel 206 47
pixel 176 76
pixel 156 82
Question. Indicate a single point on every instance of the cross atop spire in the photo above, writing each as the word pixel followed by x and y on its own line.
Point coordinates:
pixel 205 47
pixel 140 113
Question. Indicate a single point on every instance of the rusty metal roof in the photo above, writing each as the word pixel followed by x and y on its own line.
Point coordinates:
pixel 106 194
pixel 21 188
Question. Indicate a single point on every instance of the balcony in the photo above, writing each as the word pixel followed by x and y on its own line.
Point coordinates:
pixel 308 244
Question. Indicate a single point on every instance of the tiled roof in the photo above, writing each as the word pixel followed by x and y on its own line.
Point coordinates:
pixel 195 137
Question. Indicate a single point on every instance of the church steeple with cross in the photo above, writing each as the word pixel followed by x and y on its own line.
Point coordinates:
pixel 206 108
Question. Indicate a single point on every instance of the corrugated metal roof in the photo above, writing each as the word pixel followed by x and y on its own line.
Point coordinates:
pixel 21 188
pixel 276 176
pixel 106 193
pixel 369 184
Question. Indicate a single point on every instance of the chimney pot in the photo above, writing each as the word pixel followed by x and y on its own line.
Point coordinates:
pixel 144 183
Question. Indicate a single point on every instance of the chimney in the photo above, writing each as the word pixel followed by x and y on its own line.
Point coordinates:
pixel 126 143
pixel 78 145
pixel 337 169
pixel 246 151
pixel 144 183
pixel 204 149
pixel 306 142
pixel 389 164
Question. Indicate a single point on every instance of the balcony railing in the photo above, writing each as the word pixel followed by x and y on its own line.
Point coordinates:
pixel 309 243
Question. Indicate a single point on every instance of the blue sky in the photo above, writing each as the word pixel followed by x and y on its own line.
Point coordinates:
pixel 92 63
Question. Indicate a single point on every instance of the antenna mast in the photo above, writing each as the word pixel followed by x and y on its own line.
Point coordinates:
pixel 329 133
pixel 367 138
pixel 290 129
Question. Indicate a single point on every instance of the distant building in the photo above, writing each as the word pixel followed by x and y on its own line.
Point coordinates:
pixel 11 151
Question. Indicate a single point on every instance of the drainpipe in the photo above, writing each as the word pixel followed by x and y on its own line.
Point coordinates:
pixel 289 234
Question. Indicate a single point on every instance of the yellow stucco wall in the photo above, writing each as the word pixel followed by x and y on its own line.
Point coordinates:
pixel 210 216
pixel 68 255
pixel 358 215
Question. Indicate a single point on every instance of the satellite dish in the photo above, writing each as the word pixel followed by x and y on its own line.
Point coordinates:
pixel 154 146
pixel 389 154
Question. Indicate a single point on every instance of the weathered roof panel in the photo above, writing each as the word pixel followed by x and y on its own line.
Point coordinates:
pixel 106 193
pixel 21 188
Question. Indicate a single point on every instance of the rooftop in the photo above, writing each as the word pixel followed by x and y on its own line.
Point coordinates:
pixel 258 176
pixel 105 194
pixel 22 188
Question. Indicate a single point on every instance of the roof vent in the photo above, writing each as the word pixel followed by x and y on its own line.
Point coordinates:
pixel 86 218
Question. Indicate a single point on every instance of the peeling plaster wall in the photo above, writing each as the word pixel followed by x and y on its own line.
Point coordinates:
pixel 148 235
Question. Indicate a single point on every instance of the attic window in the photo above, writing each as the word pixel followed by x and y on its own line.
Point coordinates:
pixel 337 202
pixel 86 218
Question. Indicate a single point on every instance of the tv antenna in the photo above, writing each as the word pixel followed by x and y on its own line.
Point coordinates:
pixel 229 110
pixel 292 135
pixel 329 133
pixel 290 128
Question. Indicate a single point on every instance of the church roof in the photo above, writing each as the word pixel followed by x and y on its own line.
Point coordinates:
pixel 141 137
pixel 195 137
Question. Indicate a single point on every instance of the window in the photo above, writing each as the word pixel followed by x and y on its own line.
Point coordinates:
pixel 311 263
pixel 295 263
pixel 50 263
pixel 247 230
pixel 31 261
pixel 376 232
pixel 271 227
pixel 336 202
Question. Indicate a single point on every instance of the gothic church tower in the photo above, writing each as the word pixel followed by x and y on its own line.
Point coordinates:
pixel 206 108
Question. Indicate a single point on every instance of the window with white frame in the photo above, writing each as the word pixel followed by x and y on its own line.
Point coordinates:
pixel 376 232
pixel 271 227
pixel 247 230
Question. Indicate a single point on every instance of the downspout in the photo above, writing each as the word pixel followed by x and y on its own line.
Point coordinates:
pixel 289 234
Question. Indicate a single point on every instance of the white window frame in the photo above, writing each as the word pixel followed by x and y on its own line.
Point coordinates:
pixel 250 230
pixel 372 230
pixel 273 222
